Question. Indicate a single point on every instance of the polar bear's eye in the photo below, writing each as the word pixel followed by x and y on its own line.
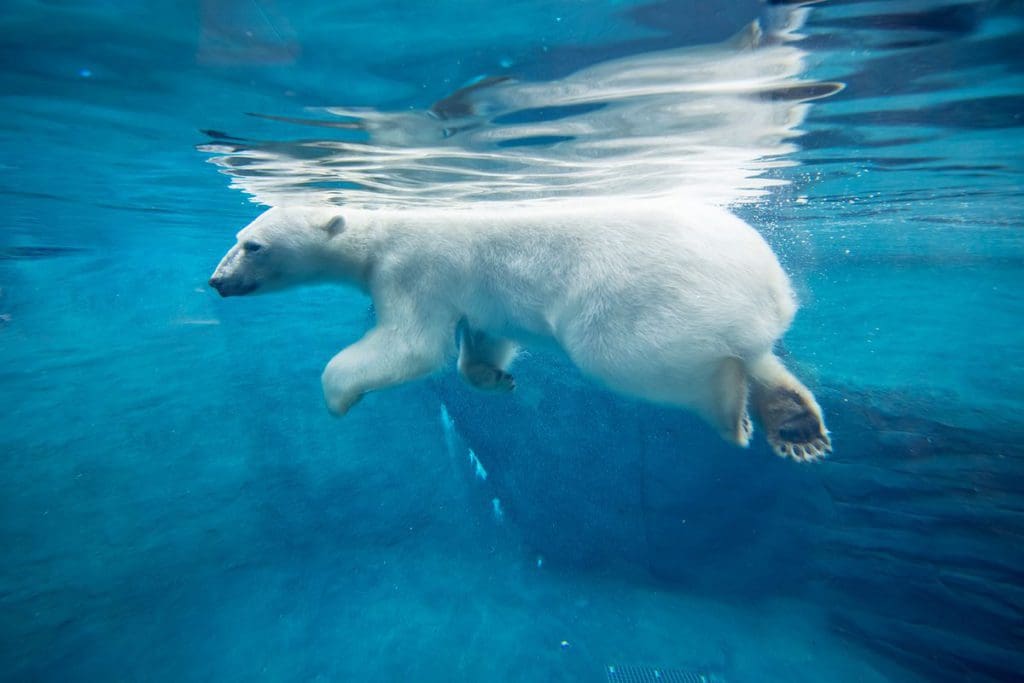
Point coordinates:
pixel 252 246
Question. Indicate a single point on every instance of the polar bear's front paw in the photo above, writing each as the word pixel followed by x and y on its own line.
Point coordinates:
pixel 487 378
pixel 504 381
pixel 792 423
pixel 338 404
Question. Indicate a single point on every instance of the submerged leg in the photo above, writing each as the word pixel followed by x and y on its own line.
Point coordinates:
pixel 787 410
pixel 727 409
pixel 382 358
pixel 483 360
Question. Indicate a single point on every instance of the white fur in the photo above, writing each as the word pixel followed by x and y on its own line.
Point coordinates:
pixel 650 298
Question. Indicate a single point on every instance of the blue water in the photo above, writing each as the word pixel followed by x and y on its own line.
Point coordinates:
pixel 176 504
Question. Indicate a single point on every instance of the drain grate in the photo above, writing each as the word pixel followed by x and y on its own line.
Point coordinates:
pixel 631 673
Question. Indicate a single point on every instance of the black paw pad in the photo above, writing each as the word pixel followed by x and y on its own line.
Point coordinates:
pixel 800 428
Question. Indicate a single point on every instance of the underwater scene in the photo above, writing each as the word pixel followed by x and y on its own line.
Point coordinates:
pixel 539 340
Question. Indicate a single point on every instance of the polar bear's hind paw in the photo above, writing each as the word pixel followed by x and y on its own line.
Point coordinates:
pixel 746 429
pixel 488 378
pixel 797 431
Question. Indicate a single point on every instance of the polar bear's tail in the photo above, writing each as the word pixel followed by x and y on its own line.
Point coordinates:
pixel 787 410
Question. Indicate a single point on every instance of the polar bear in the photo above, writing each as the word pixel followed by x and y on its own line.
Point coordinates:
pixel 677 303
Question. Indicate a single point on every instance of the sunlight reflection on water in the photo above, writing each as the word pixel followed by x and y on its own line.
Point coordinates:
pixel 706 122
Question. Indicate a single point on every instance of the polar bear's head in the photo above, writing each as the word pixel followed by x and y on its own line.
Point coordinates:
pixel 282 248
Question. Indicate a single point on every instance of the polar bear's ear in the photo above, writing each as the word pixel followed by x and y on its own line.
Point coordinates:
pixel 335 225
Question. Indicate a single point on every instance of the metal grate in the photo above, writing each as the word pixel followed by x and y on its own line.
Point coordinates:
pixel 631 673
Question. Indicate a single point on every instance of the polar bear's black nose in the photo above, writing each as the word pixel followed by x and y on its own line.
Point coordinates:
pixel 216 282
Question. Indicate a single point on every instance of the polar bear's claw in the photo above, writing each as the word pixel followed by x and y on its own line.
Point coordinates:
pixel 487 378
pixel 506 382
pixel 746 429
pixel 804 451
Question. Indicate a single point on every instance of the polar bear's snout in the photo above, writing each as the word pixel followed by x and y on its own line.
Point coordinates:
pixel 228 279
pixel 228 287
